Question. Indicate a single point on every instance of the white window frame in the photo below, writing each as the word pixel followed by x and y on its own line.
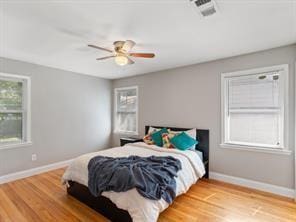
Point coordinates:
pixel 26 110
pixel 284 100
pixel 115 111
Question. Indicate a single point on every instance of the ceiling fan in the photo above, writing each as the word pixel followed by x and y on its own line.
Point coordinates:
pixel 121 52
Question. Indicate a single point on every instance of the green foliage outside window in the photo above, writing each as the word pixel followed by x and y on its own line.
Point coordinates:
pixel 10 111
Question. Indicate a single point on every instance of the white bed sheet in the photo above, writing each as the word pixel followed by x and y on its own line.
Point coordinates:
pixel 140 208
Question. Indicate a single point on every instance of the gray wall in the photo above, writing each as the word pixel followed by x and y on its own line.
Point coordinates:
pixel 190 97
pixel 71 115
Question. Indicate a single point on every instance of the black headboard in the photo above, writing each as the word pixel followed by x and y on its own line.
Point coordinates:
pixel 202 136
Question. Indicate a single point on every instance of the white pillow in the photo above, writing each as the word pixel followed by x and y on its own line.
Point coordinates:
pixel 191 132
pixel 152 129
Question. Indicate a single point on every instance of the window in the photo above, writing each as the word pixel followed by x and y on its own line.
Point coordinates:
pixel 254 108
pixel 14 110
pixel 126 110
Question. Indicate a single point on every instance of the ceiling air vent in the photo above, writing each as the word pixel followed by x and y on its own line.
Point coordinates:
pixel 206 7
pixel 201 2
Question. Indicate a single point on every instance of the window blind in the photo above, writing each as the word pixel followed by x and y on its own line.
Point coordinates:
pixel 254 109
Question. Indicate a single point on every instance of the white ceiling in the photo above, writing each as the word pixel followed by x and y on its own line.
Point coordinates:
pixel 55 33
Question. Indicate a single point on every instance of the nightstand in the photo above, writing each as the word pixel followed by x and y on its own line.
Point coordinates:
pixel 126 140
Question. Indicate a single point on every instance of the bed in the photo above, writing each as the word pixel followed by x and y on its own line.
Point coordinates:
pixel 130 205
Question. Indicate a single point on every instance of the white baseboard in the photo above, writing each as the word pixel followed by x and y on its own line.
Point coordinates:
pixel 283 191
pixel 33 171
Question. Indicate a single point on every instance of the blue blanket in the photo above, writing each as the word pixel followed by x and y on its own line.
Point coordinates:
pixel 153 177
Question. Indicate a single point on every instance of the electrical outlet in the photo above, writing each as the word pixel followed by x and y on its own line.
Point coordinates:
pixel 34 157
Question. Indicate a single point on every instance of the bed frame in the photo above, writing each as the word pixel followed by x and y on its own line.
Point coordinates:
pixel 106 207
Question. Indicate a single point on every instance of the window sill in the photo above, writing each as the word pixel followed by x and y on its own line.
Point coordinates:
pixel 15 145
pixel 256 149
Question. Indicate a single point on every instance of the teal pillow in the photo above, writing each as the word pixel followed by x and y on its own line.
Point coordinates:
pixel 157 136
pixel 182 141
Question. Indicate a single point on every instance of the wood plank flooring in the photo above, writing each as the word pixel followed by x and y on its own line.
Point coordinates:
pixel 43 198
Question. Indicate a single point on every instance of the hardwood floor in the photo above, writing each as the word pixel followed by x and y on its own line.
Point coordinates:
pixel 43 198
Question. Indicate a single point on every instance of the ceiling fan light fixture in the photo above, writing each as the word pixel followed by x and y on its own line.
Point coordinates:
pixel 121 60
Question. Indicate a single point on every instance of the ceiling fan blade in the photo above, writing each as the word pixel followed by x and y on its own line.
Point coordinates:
pixel 107 57
pixel 128 45
pixel 130 61
pixel 97 47
pixel 142 55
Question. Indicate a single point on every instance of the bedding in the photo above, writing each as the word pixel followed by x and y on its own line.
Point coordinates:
pixel 183 141
pixel 191 133
pixel 140 208
pixel 199 153
pixel 148 140
pixel 153 176
pixel 152 129
pixel 157 136
pixel 166 139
